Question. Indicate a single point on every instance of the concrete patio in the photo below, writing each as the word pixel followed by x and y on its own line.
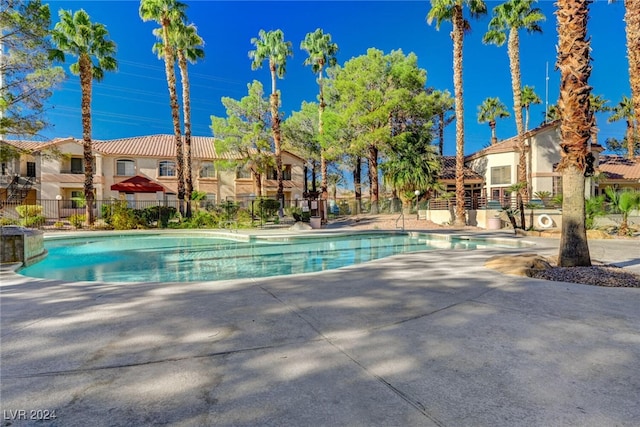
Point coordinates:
pixel 429 338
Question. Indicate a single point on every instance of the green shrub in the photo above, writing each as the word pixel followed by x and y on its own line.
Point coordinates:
pixel 202 219
pixel 106 209
pixel 77 220
pixel 58 224
pixel 29 210
pixel 148 216
pixel 229 208
pixel 594 207
pixel 244 218
pixel 122 217
pixel 33 221
pixel 267 208
pixel 8 221
pixel 31 216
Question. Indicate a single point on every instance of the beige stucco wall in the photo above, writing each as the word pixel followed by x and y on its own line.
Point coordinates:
pixel 545 153
pixel 57 183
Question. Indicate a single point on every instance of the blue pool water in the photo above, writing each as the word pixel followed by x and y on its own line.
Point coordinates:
pixel 182 258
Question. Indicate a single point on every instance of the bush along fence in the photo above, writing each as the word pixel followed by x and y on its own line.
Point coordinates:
pixel 117 214
pixel 69 214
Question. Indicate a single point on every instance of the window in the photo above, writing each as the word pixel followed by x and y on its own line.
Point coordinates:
pixel 501 175
pixel 4 169
pixel 77 165
pixel 167 168
pixel 31 169
pixel 207 170
pixel 243 172
pixel 125 168
pixel 286 173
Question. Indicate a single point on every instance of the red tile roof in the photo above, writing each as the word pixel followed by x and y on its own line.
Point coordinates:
pixel 618 167
pixel 202 147
pixel 35 145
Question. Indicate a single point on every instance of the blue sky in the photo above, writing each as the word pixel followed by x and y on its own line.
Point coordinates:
pixel 134 100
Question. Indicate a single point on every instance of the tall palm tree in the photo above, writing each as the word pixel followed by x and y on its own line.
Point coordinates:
pixel 76 35
pixel 272 47
pixel 624 111
pixel 597 104
pixel 511 17
pixel 452 10
pixel 442 104
pixel 490 110
pixel 529 97
pixel 322 52
pixel 632 28
pixel 574 62
pixel 166 12
pixel 189 48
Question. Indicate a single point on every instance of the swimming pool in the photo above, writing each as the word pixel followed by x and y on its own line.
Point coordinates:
pixel 196 257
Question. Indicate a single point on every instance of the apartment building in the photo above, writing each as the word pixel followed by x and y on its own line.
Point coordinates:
pixel 136 169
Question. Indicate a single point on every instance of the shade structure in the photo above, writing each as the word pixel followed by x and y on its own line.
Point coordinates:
pixel 139 184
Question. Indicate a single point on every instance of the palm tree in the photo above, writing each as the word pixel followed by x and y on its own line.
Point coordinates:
pixel 511 17
pixel 414 165
pixel 76 35
pixel 624 111
pixel 452 10
pixel 166 13
pixel 321 52
pixel 189 48
pixel 574 62
pixel 490 110
pixel 442 104
pixel 632 28
pixel 272 47
pixel 529 96
pixel 623 202
pixel 597 104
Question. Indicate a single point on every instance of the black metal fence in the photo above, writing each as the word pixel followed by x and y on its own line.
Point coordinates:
pixel 70 213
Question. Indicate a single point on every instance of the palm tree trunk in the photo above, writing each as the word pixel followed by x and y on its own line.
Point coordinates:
pixel 275 129
pixel 630 140
pixel 513 48
pixel 186 111
pixel 323 159
pixel 458 35
pixel 575 127
pixel 494 138
pixel 86 77
pixel 169 61
pixel 632 21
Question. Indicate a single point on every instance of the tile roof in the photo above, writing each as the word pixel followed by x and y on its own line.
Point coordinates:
pixel 618 167
pixel 202 147
pixel 448 171
pixel 35 145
